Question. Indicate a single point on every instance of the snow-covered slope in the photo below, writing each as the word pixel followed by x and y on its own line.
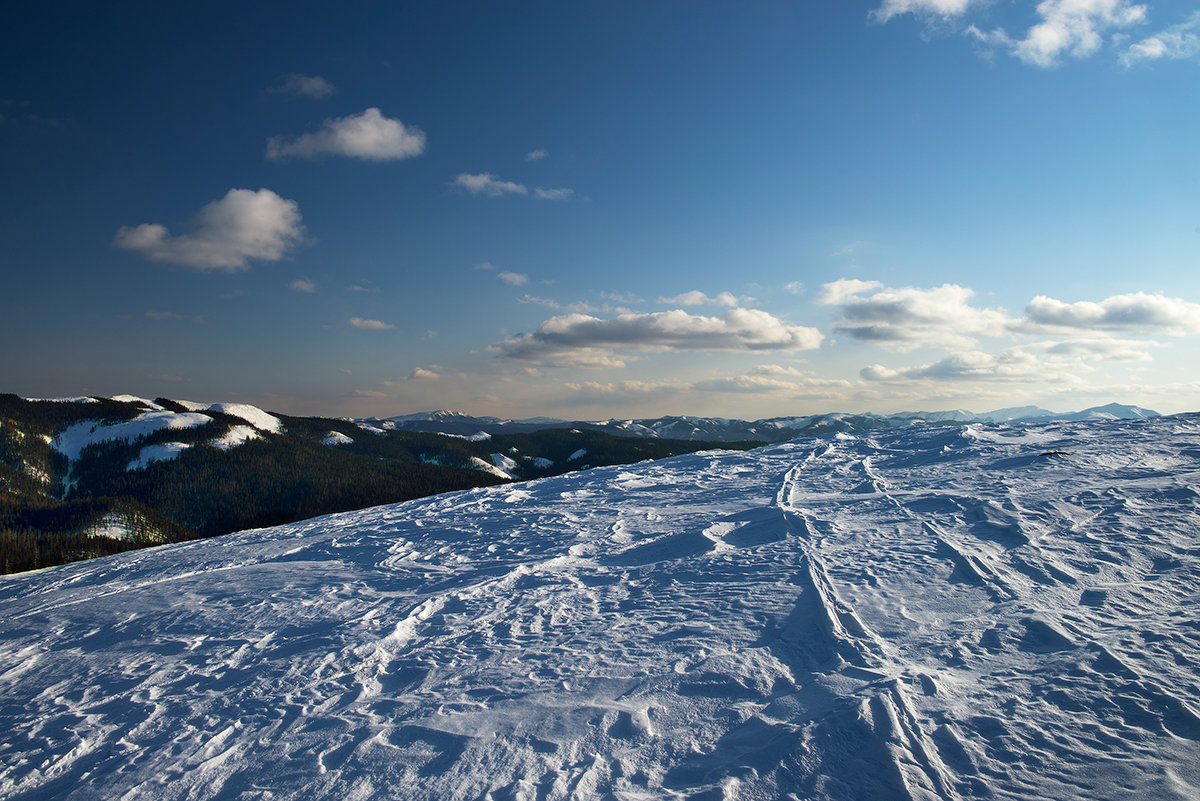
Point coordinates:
pixel 979 612
pixel 75 438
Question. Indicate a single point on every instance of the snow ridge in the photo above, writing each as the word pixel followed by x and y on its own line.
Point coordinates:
pixel 999 612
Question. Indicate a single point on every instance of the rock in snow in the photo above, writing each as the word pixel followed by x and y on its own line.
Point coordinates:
pixel 999 612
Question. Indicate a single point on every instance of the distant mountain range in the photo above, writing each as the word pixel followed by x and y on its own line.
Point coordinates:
pixel 721 429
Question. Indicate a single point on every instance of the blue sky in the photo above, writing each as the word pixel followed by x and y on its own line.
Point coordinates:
pixel 594 209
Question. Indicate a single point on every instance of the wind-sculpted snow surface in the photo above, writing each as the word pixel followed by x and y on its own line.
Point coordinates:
pixel 988 612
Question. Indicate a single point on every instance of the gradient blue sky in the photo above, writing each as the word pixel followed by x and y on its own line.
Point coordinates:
pixel 592 209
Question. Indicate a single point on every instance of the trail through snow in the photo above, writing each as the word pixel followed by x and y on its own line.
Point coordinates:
pixel 991 612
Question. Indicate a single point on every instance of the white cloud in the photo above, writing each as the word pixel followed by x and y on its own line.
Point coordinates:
pixel 549 303
pixel 744 384
pixel 1034 362
pixel 698 298
pixel 369 325
pixel 794 287
pixel 626 388
pixel 941 8
pixel 297 85
pixel 513 279
pixel 536 155
pixel 1138 312
pixel 627 298
pixel 487 184
pixel 485 265
pixel 838 292
pixel 1067 27
pixel 422 374
pixel 908 317
pixel 1011 365
pixel 229 232
pixel 778 379
pixel 778 370
pixel 369 136
pixel 1178 41
pixel 1076 28
pixel 302 285
pixel 1093 350
pixel 583 340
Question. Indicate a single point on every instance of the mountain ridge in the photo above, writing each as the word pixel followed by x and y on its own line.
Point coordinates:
pixel 723 429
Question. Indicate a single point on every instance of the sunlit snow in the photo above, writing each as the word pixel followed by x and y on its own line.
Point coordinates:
pixel 71 441
pixel 480 464
pixel 251 414
pixel 505 463
pixel 999 612
pixel 236 435
pixel 149 404
pixel 337 438
pixel 157 453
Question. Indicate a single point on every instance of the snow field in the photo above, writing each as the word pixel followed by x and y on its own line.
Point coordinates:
pixel 71 441
pixel 337 438
pixel 1004 612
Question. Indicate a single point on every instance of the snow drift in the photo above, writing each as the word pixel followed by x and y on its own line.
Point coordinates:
pixel 999 612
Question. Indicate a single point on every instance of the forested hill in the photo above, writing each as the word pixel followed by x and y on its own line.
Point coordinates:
pixel 85 477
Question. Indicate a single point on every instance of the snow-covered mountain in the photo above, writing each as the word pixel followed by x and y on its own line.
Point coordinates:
pixel 971 612
pixel 721 429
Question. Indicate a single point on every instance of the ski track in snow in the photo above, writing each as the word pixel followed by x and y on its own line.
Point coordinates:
pixel 988 612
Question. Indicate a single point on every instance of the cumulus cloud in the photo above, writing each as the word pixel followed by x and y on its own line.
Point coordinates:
pixel 778 379
pixel 698 298
pixel 941 8
pixel 1076 28
pixel 422 374
pixel 1138 312
pixel 536 155
pixel 513 279
pixel 1037 361
pixel 297 85
pixel 302 285
pixel 744 384
pixel 583 340
pixel 1178 41
pixel 909 317
pixel 488 185
pixel 369 136
pixel 838 292
pixel 1067 27
pixel 369 325
pixel 228 233
pixel 977 365
pixel 626 388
